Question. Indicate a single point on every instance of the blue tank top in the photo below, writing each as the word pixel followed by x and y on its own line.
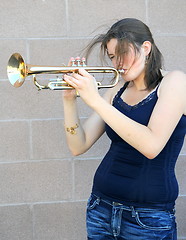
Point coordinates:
pixel 127 176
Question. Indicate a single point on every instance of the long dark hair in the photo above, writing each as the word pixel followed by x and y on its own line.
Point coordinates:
pixel 131 31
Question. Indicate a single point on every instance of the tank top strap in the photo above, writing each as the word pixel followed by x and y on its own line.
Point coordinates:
pixel 122 89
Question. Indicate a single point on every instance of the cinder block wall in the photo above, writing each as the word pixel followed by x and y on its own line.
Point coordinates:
pixel 43 189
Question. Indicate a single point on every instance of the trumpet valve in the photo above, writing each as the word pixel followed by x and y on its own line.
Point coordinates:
pixel 83 62
pixel 78 61
pixel 73 62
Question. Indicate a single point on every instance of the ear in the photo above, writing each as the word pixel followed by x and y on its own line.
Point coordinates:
pixel 147 47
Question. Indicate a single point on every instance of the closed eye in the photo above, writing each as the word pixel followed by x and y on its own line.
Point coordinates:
pixel 111 57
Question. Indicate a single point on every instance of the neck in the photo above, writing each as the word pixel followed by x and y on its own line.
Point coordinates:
pixel 138 84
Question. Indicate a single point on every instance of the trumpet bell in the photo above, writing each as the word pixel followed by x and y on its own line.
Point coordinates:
pixel 16 70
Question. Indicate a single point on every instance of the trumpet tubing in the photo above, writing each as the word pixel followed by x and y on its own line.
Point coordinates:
pixel 17 71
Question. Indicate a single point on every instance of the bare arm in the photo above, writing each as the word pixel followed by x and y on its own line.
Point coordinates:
pixel 80 137
pixel 86 134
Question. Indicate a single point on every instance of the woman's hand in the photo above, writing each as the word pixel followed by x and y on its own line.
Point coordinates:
pixel 84 83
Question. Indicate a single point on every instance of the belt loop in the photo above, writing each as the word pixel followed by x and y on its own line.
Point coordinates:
pixel 133 212
pixel 98 200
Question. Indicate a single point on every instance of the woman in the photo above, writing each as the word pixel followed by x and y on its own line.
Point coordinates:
pixel 135 187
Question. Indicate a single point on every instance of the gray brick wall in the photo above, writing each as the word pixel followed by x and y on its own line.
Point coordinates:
pixel 43 189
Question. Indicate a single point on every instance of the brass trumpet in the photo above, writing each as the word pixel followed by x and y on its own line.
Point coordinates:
pixel 17 71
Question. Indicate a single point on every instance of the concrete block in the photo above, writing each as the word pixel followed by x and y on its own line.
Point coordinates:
pixel 173 52
pixel 181 174
pixel 167 16
pixel 55 52
pixel 183 150
pixel 14 141
pixel 64 221
pixel 35 182
pixel 16 223
pixel 24 19
pixel 27 103
pixel 87 19
pixel 181 217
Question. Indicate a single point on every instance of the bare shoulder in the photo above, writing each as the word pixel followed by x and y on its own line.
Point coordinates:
pixel 111 92
pixel 175 74
pixel 174 79
pixel 173 85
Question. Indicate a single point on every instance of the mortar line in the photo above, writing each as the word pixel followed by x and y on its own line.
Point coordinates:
pixel 39 203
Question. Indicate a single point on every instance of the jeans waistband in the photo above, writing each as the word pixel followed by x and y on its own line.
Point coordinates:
pixel 131 207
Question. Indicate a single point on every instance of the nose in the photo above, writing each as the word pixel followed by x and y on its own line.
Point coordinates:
pixel 120 64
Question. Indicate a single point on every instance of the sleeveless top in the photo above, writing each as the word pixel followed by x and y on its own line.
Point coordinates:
pixel 127 176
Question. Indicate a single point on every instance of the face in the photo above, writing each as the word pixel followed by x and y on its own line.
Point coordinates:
pixel 132 63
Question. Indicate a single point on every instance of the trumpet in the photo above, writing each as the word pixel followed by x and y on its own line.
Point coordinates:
pixel 18 70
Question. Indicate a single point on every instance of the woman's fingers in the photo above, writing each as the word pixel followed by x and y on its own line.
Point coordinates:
pixel 72 81
pixel 78 80
pixel 84 73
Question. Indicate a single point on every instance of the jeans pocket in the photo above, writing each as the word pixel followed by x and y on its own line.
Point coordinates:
pixel 154 220
pixel 92 202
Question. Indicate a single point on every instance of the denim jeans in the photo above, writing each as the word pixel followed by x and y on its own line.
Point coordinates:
pixel 110 220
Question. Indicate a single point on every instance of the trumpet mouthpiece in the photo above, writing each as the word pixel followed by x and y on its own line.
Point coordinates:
pixel 121 71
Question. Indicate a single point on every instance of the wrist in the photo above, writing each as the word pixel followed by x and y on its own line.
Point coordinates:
pixel 69 101
pixel 69 96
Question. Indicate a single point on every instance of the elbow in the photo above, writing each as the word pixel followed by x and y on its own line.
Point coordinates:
pixel 76 152
pixel 151 153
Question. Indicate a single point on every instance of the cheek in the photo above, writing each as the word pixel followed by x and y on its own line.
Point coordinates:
pixel 135 66
pixel 137 61
pixel 140 62
pixel 129 59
